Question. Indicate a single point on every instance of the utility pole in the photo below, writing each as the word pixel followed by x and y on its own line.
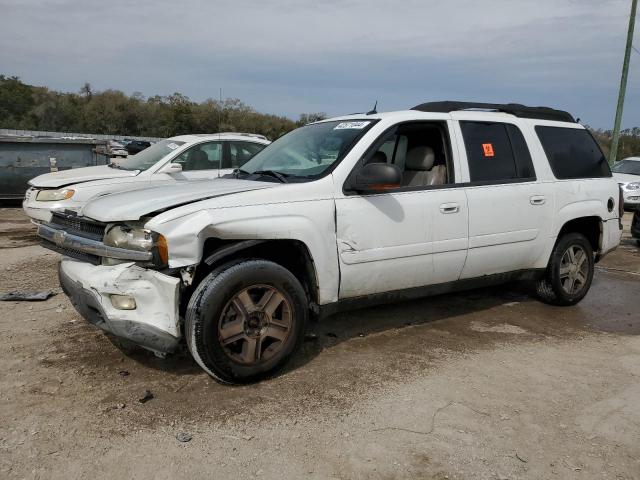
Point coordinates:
pixel 623 84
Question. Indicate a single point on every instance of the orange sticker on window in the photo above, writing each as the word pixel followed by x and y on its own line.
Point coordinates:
pixel 488 149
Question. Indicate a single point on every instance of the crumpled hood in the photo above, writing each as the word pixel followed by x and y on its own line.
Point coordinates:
pixel 132 205
pixel 626 177
pixel 79 175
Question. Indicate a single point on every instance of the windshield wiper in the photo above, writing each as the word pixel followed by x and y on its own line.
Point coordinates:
pixel 236 172
pixel 273 173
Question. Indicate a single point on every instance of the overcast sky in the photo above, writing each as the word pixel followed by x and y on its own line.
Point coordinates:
pixel 294 56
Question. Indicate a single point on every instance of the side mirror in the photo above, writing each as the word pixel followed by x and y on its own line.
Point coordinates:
pixel 377 177
pixel 171 168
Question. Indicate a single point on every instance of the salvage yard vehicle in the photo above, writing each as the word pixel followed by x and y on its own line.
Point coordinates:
pixel 112 149
pixel 136 146
pixel 187 157
pixel 627 174
pixel 338 214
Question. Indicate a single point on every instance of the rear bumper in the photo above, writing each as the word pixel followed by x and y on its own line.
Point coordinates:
pixel 153 324
pixel 611 236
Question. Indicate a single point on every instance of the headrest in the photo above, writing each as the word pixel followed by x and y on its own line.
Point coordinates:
pixel 378 157
pixel 198 156
pixel 420 158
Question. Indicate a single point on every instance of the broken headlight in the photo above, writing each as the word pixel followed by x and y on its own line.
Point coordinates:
pixel 137 238
pixel 53 195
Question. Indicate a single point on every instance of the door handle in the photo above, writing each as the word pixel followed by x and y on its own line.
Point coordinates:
pixel 449 208
pixel 537 200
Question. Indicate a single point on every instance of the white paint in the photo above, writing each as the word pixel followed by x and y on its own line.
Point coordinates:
pixel 155 294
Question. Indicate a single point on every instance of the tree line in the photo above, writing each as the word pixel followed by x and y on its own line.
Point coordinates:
pixel 628 145
pixel 112 112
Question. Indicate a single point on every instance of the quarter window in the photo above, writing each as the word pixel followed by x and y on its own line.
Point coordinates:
pixel 572 153
pixel 496 152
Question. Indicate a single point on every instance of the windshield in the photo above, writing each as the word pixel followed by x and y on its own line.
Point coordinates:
pixel 627 166
pixel 308 151
pixel 149 156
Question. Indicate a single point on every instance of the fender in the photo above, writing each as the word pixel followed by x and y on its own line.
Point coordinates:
pixel 250 225
pixel 230 250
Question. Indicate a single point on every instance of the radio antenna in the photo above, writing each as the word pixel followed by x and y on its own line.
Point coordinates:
pixel 374 111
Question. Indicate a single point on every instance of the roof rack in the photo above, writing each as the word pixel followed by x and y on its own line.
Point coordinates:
pixel 540 113
pixel 254 135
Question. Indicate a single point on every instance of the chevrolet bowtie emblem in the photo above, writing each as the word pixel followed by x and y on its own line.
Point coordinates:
pixel 58 238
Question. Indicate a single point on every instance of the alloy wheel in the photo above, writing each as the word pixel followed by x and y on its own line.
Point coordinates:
pixel 574 269
pixel 255 324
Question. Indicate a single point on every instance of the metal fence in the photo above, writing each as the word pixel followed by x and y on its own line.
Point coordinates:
pixel 36 133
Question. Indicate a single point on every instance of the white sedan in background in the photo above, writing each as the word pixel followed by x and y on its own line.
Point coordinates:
pixel 182 158
pixel 627 174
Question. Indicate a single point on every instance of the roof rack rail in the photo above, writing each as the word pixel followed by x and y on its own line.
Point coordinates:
pixel 540 113
pixel 254 135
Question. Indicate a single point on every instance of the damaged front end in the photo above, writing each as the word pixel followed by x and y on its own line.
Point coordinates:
pixel 116 277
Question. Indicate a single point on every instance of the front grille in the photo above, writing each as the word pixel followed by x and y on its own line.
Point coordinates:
pixel 68 252
pixel 79 226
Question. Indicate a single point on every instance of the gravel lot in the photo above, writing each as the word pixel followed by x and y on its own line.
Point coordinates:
pixel 487 384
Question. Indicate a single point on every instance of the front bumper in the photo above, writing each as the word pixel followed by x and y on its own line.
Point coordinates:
pixel 153 324
pixel 631 199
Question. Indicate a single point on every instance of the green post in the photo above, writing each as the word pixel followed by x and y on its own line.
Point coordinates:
pixel 623 85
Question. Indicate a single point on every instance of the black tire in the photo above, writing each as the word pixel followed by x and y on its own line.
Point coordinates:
pixel 217 296
pixel 552 288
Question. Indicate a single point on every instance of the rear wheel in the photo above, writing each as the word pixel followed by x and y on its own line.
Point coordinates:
pixel 570 271
pixel 245 319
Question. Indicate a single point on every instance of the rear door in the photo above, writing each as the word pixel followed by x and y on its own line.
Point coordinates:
pixel 510 211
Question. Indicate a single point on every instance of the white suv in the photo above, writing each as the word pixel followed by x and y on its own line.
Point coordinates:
pixel 187 157
pixel 342 213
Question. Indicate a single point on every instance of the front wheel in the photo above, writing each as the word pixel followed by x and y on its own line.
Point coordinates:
pixel 245 319
pixel 569 273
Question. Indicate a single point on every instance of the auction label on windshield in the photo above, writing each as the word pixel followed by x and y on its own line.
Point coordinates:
pixel 351 125
pixel 173 146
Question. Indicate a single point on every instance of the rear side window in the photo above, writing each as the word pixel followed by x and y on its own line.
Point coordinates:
pixel 573 153
pixel 496 152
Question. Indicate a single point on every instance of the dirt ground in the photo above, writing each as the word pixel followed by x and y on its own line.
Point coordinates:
pixel 489 384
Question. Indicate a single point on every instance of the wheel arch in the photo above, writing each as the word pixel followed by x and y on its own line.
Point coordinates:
pixel 590 226
pixel 294 255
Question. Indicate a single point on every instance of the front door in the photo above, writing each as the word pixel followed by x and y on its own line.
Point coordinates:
pixel 410 237
pixel 200 161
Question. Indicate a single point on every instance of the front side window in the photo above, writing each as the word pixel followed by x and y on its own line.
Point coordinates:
pixel 419 150
pixel 572 153
pixel 308 151
pixel 241 152
pixel 205 156
pixel 496 152
pixel 148 157
pixel 630 167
